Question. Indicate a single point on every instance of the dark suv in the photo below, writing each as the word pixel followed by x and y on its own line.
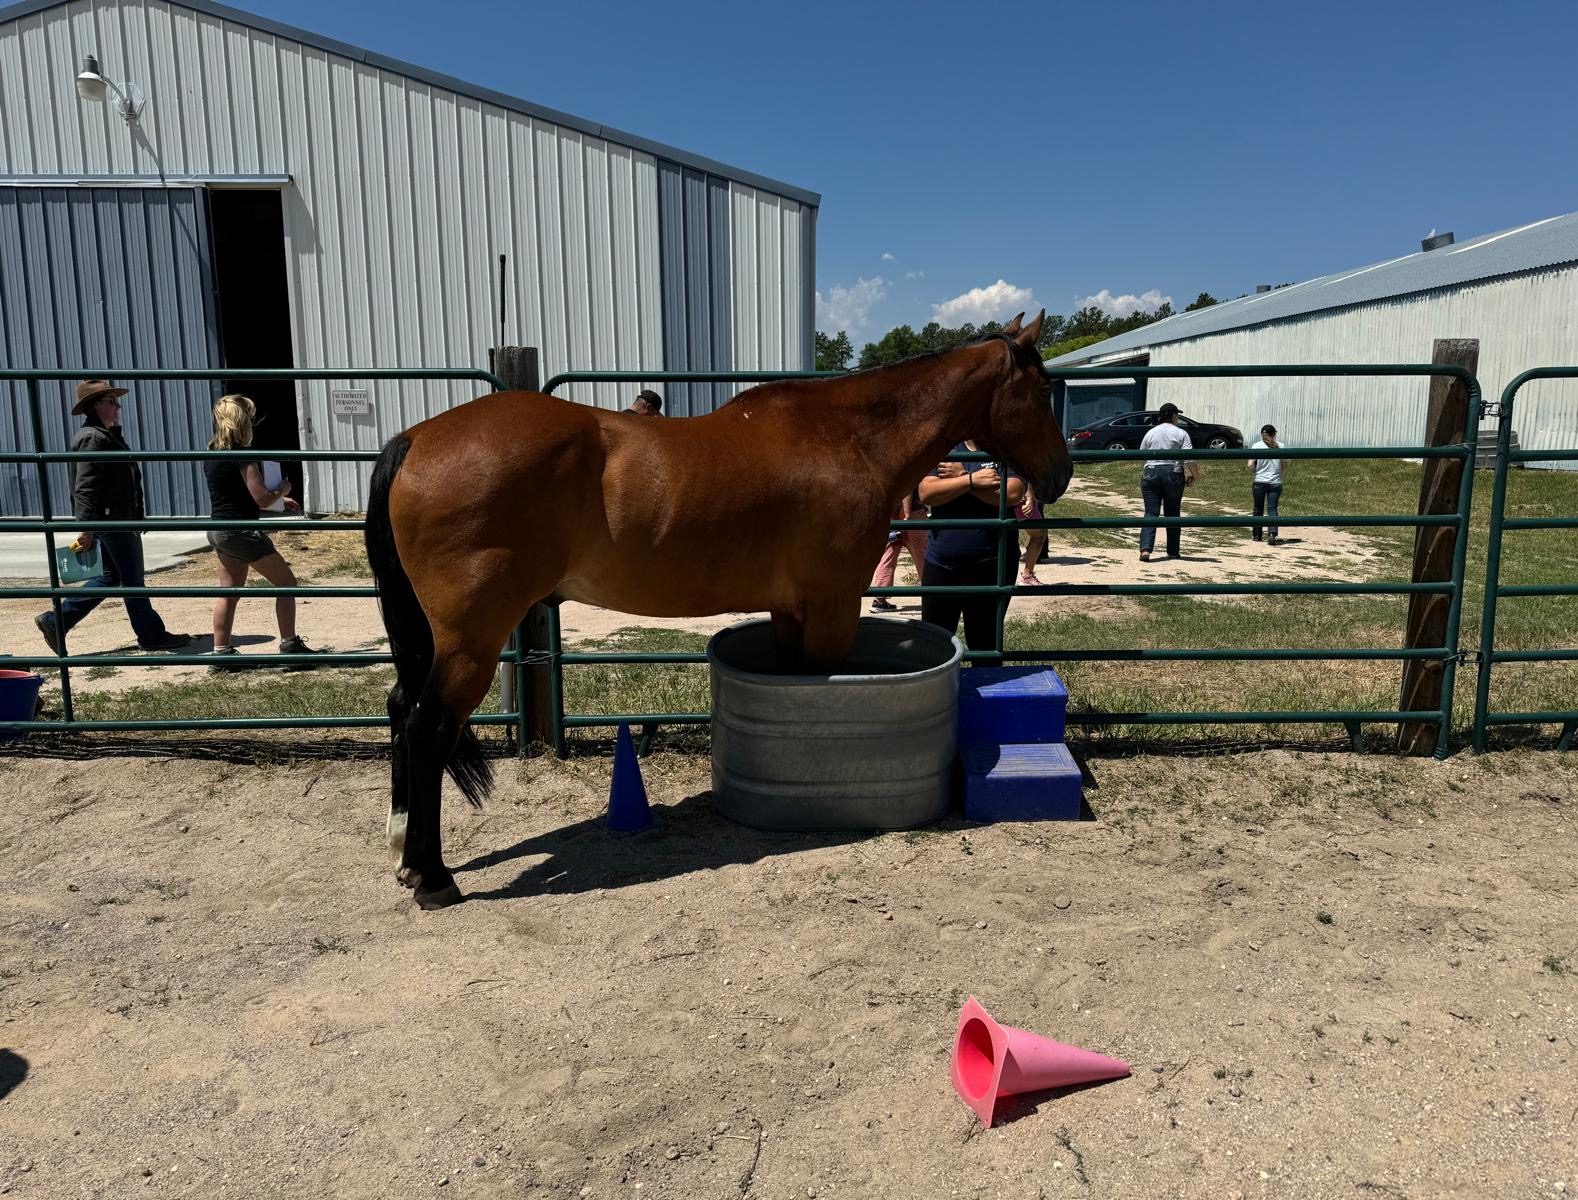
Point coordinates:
pixel 1124 431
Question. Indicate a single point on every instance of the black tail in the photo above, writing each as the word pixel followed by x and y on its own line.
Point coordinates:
pixel 410 635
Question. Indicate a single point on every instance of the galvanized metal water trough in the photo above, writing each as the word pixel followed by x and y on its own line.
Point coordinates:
pixel 871 747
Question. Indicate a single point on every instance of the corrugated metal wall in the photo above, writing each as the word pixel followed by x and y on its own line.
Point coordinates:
pixel 1523 321
pixel 403 196
pixel 698 332
pixel 113 277
pixel 774 280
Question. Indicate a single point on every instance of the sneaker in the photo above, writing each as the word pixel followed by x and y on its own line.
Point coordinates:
pixel 167 641
pixel 46 626
pixel 1028 579
pixel 224 652
pixel 883 604
pixel 296 646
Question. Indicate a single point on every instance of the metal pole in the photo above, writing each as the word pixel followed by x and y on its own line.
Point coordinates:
pixel 1465 508
pixel 46 509
pixel 522 724
pixel 1498 508
pixel 556 681
pixel 1004 578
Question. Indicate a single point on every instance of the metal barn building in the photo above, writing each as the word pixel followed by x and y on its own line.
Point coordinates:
pixel 249 194
pixel 1516 291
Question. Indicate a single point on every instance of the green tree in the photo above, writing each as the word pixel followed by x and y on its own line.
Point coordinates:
pixel 1203 300
pixel 895 345
pixel 1051 333
pixel 833 353
pixel 1069 345
pixel 1087 321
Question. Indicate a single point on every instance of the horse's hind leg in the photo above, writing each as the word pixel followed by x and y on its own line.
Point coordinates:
pixel 461 675
pixel 399 768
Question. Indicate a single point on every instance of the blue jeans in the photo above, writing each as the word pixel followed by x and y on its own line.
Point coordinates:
pixel 122 554
pixel 1162 489
pixel 1267 497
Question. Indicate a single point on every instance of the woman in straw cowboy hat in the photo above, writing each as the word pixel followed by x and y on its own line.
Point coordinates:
pixel 236 492
pixel 111 490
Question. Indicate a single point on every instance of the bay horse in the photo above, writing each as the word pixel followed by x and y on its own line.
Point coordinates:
pixel 778 502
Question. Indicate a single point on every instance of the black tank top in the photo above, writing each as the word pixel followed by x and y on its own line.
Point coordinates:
pixel 228 497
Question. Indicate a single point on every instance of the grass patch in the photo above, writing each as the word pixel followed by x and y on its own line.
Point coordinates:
pixel 1314 487
pixel 1101 624
pixel 596 689
pixel 103 672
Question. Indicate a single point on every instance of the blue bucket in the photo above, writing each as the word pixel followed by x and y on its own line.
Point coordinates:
pixel 18 699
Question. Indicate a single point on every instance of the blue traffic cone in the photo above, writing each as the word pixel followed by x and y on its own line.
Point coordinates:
pixel 628 811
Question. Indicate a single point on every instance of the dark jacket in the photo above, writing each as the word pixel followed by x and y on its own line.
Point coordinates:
pixel 105 488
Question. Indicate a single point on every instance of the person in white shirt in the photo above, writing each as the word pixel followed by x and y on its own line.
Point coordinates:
pixel 1162 480
pixel 1267 485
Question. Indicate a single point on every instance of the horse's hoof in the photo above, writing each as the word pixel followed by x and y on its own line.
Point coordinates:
pixel 408 877
pixel 442 898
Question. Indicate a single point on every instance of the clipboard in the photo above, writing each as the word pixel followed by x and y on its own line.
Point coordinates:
pixel 75 566
pixel 272 477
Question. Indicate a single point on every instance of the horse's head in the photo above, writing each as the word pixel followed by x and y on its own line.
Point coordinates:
pixel 1021 428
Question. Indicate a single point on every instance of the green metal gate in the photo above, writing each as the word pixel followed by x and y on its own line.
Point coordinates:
pixel 1500 523
pixel 1007 528
pixel 49 524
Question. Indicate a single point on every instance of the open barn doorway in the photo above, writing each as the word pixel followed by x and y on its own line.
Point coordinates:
pixel 253 299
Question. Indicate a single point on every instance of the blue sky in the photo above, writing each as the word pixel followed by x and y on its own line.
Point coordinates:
pixel 1027 155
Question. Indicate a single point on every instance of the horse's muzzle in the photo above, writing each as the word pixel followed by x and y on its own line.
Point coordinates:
pixel 1055 483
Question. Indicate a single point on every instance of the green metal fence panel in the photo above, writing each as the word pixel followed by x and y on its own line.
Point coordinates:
pixel 1008 526
pixel 1500 524
pixel 48 524
pixel 1005 526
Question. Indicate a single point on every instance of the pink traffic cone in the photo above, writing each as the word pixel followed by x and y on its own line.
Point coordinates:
pixel 628 811
pixel 992 1060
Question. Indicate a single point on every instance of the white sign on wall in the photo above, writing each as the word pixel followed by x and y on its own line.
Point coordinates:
pixel 350 402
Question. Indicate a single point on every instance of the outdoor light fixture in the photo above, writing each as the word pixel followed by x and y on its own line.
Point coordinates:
pixel 93 86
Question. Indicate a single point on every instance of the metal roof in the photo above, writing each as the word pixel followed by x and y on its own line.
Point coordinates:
pixel 1548 243
pixel 486 95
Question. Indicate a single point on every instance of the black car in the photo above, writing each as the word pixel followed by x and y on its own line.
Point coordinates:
pixel 1124 431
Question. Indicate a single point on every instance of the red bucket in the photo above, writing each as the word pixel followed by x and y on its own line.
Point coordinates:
pixel 18 699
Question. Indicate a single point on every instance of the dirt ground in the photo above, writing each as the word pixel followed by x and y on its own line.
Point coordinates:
pixel 1335 976
pixel 352 625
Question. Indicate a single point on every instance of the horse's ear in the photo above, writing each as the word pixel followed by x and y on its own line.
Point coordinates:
pixel 1031 333
pixel 1013 326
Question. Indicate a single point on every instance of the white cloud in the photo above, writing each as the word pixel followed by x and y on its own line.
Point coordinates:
pixel 995 302
pixel 887 256
pixel 1126 305
pixel 914 274
pixel 849 308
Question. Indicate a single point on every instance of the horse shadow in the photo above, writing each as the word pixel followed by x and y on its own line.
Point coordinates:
pixel 691 836
pixel 13 1070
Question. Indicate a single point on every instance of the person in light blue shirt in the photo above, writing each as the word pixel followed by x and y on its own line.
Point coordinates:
pixel 1267 485
pixel 1162 480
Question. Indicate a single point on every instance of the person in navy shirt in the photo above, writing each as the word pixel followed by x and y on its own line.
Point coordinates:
pixel 965 557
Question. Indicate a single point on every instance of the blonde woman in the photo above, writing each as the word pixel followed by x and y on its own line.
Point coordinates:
pixel 236 493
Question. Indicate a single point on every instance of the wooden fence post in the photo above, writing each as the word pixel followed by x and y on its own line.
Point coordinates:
pixel 1446 424
pixel 516 367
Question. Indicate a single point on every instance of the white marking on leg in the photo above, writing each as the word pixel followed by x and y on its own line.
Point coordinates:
pixel 394 828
